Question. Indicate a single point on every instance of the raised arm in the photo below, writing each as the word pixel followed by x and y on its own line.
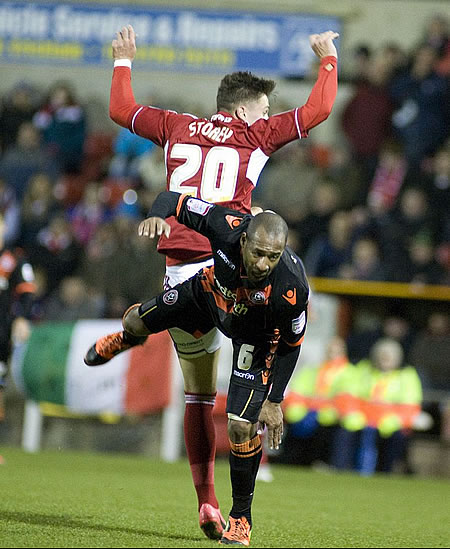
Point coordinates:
pixel 321 99
pixel 122 105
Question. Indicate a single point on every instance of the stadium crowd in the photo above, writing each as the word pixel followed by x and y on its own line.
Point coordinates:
pixel 374 206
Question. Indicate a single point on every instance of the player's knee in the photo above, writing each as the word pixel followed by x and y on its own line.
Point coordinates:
pixel 240 431
pixel 133 323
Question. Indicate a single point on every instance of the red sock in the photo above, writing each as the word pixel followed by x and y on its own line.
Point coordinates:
pixel 200 440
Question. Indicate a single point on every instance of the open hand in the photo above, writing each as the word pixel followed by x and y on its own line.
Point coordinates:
pixel 124 46
pixel 154 226
pixel 271 416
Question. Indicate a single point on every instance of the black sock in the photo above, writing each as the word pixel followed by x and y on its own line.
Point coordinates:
pixel 244 463
pixel 132 339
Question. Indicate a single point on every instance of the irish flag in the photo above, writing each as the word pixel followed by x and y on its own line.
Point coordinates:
pixel 50 369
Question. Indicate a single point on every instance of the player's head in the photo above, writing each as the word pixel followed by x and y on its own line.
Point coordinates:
pixel 262 245
pixel 245 96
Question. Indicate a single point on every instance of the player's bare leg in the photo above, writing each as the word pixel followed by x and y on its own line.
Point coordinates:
pixel 200 377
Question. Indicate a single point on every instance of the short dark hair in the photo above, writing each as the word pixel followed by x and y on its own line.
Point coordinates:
pixel 273 224
pixel 242 87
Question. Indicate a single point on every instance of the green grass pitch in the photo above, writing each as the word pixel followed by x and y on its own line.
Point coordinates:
pixel 68 499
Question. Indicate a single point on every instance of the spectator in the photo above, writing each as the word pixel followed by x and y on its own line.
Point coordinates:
pixel 26 158
pixel 97 257
pixel 388 179
pixel 422 266
pixel 57 251
pixel 366 121
pixel 437 35
pixel 114 250
pixel 436 184
pixel 411 218
pixel 309 407
pixel 128 151
pixel 138 258
pixel 73 300
pixel 361 61
pixel 431 351
pixel 391 396
pixel 323 203
pixel 363 336
pixel 395 58
pixel 38 206
pixel 151 169
pixel 18 107
pixel 10 210
pixel 88 213
pixel 328 253
pixel 421 96
pixel 365 262
pixel 295 175
pixel 62 122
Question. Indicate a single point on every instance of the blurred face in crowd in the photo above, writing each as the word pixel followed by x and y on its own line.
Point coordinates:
pixel 73 291
pixel 40 186
pixel 324 199
pixel 439 324
pixel 28 136
pixel 336 348
pixel 437 31
pixel 365 254
pixel 339 229
pixel 395 327
pixel 387 355
pixel 441 163
pixel 421 252
pixel 423 63
pixel 21 99
pixel 60 96
pixel 413 204
pixel 379 71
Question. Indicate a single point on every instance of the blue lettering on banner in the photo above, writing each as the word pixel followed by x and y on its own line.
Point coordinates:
pixel 189 40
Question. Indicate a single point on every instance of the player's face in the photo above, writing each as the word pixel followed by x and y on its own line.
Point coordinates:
pixel 254 110
pixel 261 255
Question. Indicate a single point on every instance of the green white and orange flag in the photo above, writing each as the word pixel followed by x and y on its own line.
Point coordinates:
pixel 50 369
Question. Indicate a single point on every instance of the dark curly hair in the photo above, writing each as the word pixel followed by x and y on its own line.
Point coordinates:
pixel 241 87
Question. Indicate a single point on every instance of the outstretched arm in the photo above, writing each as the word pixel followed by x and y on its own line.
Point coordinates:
pixel 165 206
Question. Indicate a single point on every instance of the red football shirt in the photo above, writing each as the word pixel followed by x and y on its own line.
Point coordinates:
pixel 218 159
